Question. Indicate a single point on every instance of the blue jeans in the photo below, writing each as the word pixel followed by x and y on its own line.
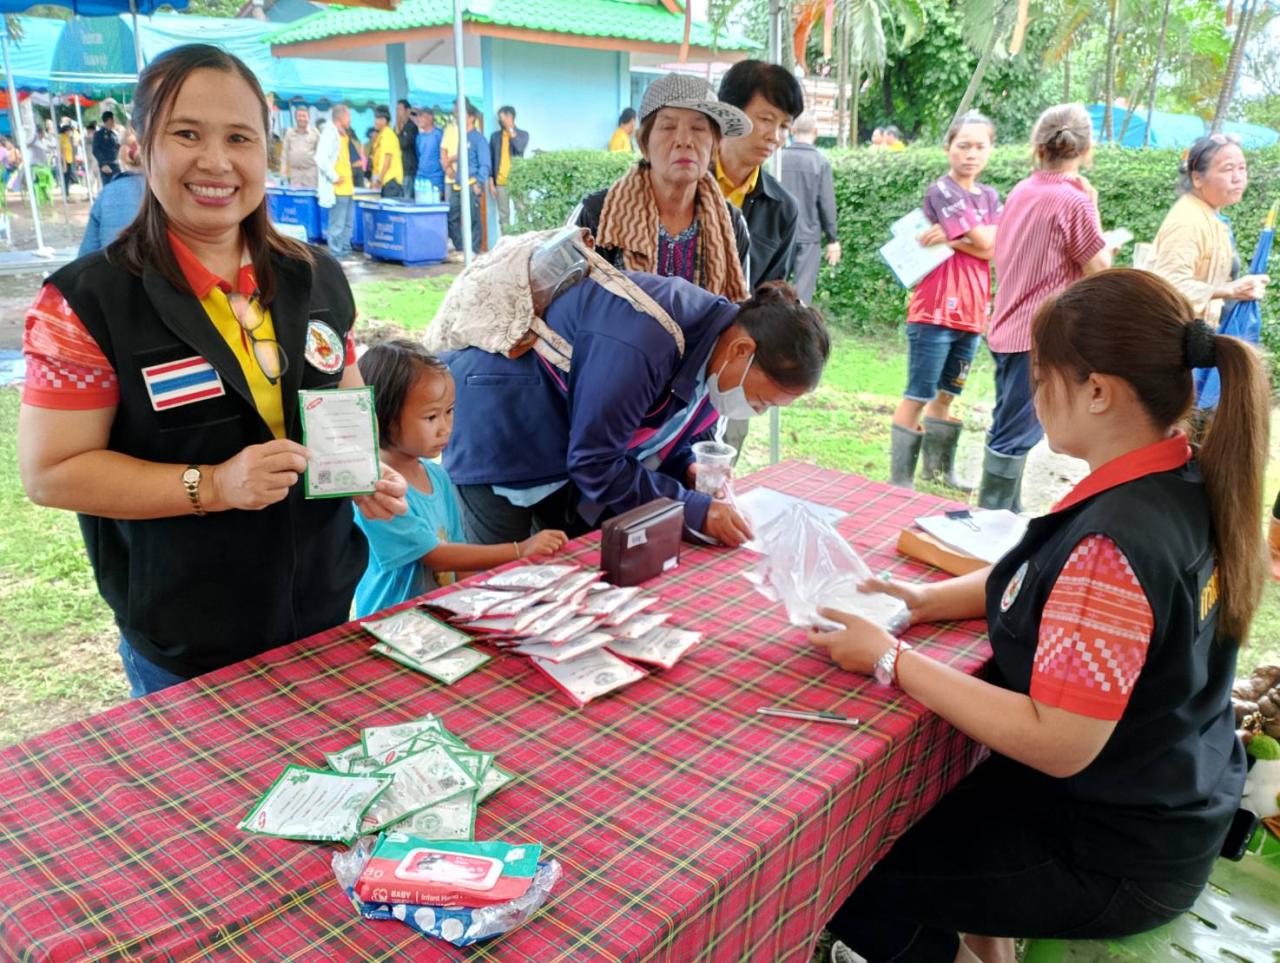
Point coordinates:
pixel 938 359
pixel 144 677
pixel 340 224
pixel 1015 429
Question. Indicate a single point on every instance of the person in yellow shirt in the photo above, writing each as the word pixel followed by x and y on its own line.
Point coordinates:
pixel 622 140
pixel 388 164
pixel 478 171
pixel 67 145
pixel 507 141
pixel 335 186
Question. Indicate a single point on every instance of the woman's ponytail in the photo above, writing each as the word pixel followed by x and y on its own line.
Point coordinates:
pixel 1233 458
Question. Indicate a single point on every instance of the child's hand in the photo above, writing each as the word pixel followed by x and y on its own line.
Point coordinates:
pixel 546 542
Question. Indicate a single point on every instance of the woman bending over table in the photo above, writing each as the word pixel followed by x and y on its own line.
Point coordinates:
pixel 1115 769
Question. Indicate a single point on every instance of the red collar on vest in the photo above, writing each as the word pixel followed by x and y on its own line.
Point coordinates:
pixel 1173 452
pixel 201 279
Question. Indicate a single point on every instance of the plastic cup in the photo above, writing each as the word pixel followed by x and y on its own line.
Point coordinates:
pixel 715 464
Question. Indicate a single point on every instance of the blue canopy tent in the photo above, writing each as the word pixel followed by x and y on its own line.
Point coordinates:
pixel 1174 130
pixel 88 8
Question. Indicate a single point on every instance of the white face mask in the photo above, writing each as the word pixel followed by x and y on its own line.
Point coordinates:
pixel 731 404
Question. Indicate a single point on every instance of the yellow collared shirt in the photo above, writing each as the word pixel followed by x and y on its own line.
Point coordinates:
pixel 266 396
pixel 736 194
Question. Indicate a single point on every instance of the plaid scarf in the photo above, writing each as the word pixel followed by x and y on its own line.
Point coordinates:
pixel 629 221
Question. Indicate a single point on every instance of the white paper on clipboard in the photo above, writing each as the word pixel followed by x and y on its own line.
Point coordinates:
pixel 908 261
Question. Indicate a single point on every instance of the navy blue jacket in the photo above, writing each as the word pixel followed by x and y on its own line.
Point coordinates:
pixel 520 422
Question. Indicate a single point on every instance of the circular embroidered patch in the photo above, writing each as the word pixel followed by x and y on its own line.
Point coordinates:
pixel 324 348
pixel 1013 588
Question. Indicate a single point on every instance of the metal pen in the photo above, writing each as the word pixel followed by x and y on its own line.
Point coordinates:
pixel 816 715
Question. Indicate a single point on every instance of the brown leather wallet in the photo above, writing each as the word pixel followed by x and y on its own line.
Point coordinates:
pixel 644 542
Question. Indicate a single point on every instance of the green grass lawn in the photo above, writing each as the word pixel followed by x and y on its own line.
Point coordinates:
pixel 59 662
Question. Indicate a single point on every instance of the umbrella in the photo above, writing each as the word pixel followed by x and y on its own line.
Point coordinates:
pixel 1243 319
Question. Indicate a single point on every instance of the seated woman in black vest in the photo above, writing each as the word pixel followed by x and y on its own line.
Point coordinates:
pixel 1115 769
pixel 161 398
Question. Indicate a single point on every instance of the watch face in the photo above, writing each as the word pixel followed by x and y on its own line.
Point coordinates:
pixel 191 476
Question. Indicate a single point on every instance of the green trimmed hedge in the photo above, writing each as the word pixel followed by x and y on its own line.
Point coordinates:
pixel 873 188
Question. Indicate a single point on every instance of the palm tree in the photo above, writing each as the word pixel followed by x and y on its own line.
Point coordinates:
pixel 1113 32
pixel 1155 72
pixel 985 23
pixel 1247 11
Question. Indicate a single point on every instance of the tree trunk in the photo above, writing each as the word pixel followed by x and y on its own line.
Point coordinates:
pixel 975 82
pixel 1066 76
pixel 1155 73
pixel 842 77
pixel 1128 110
pixel 1109 95
pixel 853 102
pixel 1233 66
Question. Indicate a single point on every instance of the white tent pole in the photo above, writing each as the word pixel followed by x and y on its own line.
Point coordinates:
pixel 137 38
pixel 460 111
pixel 775 56
pixel 60 160
pixel 20 133
pixel 85 148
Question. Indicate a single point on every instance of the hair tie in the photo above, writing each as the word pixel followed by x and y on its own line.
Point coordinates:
pixel 1198 345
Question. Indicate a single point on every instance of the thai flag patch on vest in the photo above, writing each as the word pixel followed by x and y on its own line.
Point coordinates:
pixel 177 383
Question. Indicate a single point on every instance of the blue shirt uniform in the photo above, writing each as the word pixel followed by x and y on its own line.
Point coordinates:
pixel 396 547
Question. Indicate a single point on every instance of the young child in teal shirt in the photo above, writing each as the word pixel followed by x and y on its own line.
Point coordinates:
pixel 414 553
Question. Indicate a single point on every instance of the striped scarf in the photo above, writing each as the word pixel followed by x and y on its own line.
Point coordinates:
pixel 629 221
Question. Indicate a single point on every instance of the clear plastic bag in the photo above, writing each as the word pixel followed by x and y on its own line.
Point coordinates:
pixel 807 566
pixel 458 925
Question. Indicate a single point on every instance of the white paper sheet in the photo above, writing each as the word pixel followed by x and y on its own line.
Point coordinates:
pixel 906 258
pixel 990 536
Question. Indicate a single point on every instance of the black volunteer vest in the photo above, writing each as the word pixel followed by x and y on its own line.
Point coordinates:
pixel 1159 797
pixel 197 593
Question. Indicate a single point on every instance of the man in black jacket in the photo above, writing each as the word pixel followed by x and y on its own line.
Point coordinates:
pixel 407 131
pixel 772 98
pixel 106 149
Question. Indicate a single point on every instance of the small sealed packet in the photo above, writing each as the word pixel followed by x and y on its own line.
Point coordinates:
pixel 378 739
pixel 448 668
pixel 416 634
pixel 640 626
pixel 591 675
pixel 529 577
pixel 340 761
pixel 454 818
pixel 408 869
pixel 608 601
pixel 468 603
pixel 664 646
pixel 494 779
pixel 575 647
pixel 502 625
pixel 567 630
pixel 542 618
pixel 517 602
pixel 571 585
pixel 421 780
pixel 315 804
pixel 628 609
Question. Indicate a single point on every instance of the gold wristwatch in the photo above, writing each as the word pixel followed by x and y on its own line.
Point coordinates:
pixel 191 482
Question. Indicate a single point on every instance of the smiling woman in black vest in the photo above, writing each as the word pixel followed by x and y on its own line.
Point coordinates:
pixel 162 393
pixel 1115 769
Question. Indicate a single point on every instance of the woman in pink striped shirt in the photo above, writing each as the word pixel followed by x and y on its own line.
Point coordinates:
pixel 1050 236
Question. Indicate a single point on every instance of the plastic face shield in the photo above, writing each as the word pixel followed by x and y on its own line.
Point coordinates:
pixel 556 265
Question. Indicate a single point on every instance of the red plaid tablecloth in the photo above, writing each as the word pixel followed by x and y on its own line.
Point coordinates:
pixel 689 828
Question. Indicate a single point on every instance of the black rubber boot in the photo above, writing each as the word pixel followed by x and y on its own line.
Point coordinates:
pixel 1002 481
pixel 904 455
pixel 938 456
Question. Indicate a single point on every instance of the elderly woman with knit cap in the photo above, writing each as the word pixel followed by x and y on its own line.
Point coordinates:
pixel 666 215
